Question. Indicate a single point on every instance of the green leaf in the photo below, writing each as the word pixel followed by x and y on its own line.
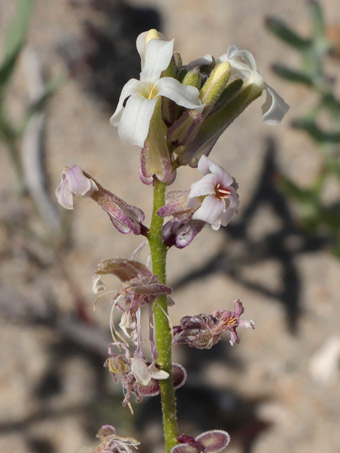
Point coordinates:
pixel 51 87
pixel 315 131
pixel 15 40
pixel 286 34
pixel 293 75
pixel 317 18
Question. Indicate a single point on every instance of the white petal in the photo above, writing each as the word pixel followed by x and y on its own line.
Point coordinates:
pixel 157 58
pixel 134 124
pixel 64 195
pixel 183 95
pixel 78 183
pixel 140 44
pixel 205 186
pixel 242 63
pixel 155 373
pixel 140 371
pixel 210 211
pixel 128 89
pixel 274 108
pixel 205 166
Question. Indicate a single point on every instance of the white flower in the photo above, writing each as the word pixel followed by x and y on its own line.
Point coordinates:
pixel 133 117
pixel 215 194
pixel 243 64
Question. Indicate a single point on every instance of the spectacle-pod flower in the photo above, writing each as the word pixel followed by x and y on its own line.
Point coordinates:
pixel 215 193
pixel 243 64
pixel 138 98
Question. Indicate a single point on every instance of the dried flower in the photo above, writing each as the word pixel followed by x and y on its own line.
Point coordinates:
pixel 204 331
pixel 110 442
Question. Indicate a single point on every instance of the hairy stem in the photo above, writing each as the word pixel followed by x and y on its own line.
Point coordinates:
pixel 162 329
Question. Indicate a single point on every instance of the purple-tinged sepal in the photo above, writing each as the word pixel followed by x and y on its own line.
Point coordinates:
pixel 74 181
pixel 213 441
pixel 181 233
pixel 181 229
pixel 155 156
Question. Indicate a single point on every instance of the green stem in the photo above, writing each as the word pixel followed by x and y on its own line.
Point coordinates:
pixel 163 337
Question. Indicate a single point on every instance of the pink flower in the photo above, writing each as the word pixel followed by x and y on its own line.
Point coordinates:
pixel 214 195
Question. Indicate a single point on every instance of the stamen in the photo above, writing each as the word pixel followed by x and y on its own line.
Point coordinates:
pixel 220 192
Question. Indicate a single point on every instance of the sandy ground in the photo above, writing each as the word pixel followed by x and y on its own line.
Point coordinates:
pixel 271 392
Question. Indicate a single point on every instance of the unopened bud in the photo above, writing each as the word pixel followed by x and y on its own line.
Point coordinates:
pixel 152 34
pixel 215 85
pixel 193 78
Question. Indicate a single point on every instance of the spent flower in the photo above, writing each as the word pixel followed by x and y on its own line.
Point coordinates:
pixel 110 442
pixel 204 331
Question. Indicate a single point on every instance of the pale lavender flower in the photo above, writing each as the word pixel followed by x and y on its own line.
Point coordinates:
pixel 133 116
pixel 212 441
pixel 214 196
pixel 204 331
pixel 74 181
pixel 110 442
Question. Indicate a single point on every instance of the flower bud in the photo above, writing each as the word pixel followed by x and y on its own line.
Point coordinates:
pixel 193 78
pixel 215 85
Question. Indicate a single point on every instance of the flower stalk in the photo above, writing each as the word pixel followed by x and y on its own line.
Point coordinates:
pixel 163 337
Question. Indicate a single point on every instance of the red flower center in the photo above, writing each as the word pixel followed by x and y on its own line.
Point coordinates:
pixel 221 192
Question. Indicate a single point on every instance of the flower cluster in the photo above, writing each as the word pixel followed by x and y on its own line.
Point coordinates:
pixel 176 112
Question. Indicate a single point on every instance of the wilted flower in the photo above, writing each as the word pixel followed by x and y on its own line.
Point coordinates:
pixel 133 117
pixel 215 194
pixel 110 442
pixel 209 442
pixel 138 376
pixel 204 331
pixel 140 287
pixel 74 181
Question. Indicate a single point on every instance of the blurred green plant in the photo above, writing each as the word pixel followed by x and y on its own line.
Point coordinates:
pixel 316 214
pixel 12 132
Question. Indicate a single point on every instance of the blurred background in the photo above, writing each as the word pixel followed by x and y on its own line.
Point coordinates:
pixel 63 65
